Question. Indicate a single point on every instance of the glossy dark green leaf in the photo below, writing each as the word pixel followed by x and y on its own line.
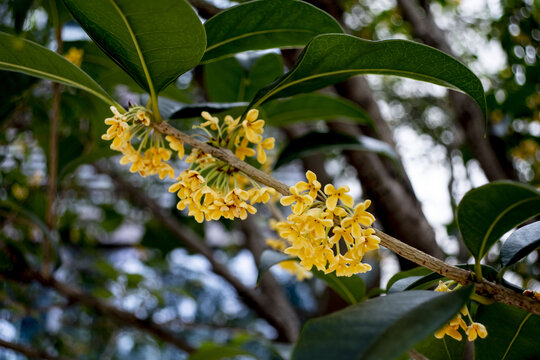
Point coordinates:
pixel 512 333
pixel 332 58
pixel 317 142
pixel 379 328
pixel 521 243
pixel 153 41
pixel 27 57
pixel 270 258
pixel 352 289
pixel 488 212
pixel 265 24
pixel 309 107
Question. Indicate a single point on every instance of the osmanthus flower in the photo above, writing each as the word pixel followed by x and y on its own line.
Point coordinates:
pixel 132 135
pixel 324 228
pixel 211 188
pixel 472 330
pixel 75 56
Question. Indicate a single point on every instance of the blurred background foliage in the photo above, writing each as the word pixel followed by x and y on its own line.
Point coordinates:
pixel 120 238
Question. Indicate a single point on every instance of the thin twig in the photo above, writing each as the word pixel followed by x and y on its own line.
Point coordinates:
pixel 486 288
pixel 29 352
pixel 53 158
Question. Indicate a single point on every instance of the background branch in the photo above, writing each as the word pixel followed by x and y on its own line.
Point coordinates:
pixel 81 297
pixel 29 352
pixel 280 318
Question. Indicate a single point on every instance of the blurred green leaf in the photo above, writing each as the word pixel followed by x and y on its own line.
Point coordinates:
pixel 521 243
pixel 488 212
pixel 153 41
pixel 379 328
pixel 268 259
pixel 310 107
pixel 441 349
pixel 218 352
pixel 265 25
pixel 512 333
pixel 319 142
pixel 17 54
pixel 229 80
pixel 332 58
pixel 350 288
pixel 191 111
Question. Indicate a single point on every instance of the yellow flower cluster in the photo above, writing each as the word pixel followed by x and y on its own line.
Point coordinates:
pixel 150 156
pixel 211 188
pixel 75 56
pixel 473 330
pixel 324 229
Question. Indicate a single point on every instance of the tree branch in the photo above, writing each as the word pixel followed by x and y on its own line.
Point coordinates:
pixel 261 305
pixel 497 292
pixel 29 352
pixel 81 297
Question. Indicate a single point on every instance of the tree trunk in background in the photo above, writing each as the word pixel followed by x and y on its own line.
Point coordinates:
pixel 468 115
pixel 396 207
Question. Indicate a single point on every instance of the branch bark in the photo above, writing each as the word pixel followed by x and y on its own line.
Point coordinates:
pixel 495 291
pixel 29 352
pixel 81 297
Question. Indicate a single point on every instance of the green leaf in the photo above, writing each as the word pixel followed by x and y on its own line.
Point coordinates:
pixel 219 352
pixel 153 41
pixel 317 142
pixel 512 333
pixel 224 80
pixel 332 58
pixel 417 271
pixel 351 289
pixel 441 349
pixel 521 243
pixel 309 107
pixel 379 328
pixel 432 279
pixel 228 80
pixel 270 258
pixel 263 24
pixel 27 57
pixel 488 212
pixel 266 69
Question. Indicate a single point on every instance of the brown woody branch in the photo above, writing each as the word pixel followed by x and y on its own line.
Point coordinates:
pixel 29 352
pixel 486 288
pixel 81 297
